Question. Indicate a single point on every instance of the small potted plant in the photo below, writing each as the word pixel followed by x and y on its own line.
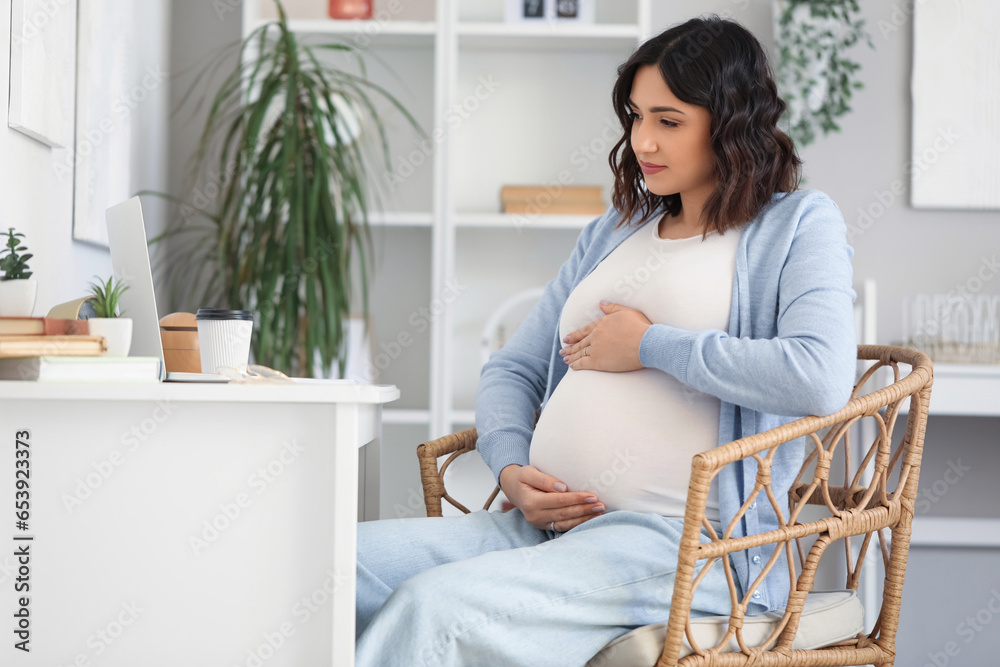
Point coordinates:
pixel 107 321
pixel 17 287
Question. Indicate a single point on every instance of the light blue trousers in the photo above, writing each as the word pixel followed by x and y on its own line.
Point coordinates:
pixel 489 589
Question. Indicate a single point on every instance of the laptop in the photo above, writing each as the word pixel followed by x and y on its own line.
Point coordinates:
pixel 130 261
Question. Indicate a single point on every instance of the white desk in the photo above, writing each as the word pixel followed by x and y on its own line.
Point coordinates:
pixel 183 524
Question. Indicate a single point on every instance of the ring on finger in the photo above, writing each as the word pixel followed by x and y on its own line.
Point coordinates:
pixel 552 526
pixel 586 351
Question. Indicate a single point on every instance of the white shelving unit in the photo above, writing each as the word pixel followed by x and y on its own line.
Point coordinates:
pixel 470 79
pixel 961 390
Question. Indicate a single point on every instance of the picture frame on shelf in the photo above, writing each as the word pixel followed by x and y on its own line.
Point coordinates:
pixel 526 10
pixel 572 11
pixel 576 11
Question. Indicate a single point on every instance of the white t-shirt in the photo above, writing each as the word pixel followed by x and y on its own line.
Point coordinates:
pixel 629 437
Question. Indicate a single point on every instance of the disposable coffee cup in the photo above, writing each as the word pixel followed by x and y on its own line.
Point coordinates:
pixel 224 338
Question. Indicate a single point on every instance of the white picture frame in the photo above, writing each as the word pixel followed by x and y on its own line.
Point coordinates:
pixel 955 136
pixel 108 88
pixel 42 70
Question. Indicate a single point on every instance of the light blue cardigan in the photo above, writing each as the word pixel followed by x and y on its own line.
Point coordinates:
pixel 790 351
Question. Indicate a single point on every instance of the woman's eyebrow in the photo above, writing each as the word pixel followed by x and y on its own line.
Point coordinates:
pixel 655 109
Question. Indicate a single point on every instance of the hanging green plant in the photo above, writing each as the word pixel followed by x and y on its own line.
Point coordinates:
pixel 815 77
pixel 284 231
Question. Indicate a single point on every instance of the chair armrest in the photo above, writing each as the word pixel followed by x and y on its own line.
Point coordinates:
pixel 432 477
pixel 449 444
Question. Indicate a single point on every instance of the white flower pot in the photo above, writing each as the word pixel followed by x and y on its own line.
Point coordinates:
pixel 117 331
pixel 17 297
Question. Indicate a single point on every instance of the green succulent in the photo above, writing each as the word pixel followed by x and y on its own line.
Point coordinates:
pixel 106 297
pixel 14 264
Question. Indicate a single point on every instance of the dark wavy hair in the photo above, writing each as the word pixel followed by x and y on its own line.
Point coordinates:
pixel 717 64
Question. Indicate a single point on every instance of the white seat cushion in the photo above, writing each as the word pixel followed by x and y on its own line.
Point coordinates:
pixel 827 617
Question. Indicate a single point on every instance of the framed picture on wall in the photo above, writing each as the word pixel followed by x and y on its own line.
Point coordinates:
pixel 106 87
pixel 955 131
pixel 42 53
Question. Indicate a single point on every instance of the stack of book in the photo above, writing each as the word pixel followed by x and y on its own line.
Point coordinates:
pixel 552 199
pixel 45 348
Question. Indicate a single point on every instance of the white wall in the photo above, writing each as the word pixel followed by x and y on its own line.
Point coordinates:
pixel 35 200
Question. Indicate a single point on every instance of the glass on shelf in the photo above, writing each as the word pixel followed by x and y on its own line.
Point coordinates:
pixel 954 328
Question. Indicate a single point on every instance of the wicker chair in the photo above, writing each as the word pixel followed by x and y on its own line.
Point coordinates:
pixel 878 494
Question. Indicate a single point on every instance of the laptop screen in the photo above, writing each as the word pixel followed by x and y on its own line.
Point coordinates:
pixel 130 262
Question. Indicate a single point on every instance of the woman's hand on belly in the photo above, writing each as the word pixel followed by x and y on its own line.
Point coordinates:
pixel 608 344
pixel 545 501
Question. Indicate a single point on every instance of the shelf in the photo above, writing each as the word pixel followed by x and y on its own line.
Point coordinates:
pixel 399 219
pixel 970 390
pixel 548 36
pixel 402 416
pixel 463 417
pixel 381 33
pixel 522 222
pixel 955 532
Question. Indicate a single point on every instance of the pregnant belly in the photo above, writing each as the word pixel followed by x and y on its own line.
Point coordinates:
pixel 628 437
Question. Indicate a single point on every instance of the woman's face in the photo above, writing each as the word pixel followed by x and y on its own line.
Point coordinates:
pixel 671 139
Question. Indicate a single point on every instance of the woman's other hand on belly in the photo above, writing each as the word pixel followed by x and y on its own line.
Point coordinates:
pixel 610 343
pixel 545 501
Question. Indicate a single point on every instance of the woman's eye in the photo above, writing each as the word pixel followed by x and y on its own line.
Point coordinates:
pixel 669 123
pixel 632 116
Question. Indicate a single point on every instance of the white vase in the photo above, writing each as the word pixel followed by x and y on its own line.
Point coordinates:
pixel 117 331
pixel 17 297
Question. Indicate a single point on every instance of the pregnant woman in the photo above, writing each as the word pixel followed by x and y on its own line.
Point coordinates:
pixel 712 301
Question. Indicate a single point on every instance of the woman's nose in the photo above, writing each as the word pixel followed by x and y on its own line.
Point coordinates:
pixel 642 142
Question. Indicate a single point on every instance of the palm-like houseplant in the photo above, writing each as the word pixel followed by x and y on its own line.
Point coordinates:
pixel 291 213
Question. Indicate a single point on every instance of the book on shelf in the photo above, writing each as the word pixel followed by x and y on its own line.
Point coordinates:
pixel 569 193
pixel 43 326
pixel 553 200
pixel 554 208
pixel 84 369
pixel 12 345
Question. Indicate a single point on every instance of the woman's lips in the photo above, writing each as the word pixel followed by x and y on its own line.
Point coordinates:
pixel 648 168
